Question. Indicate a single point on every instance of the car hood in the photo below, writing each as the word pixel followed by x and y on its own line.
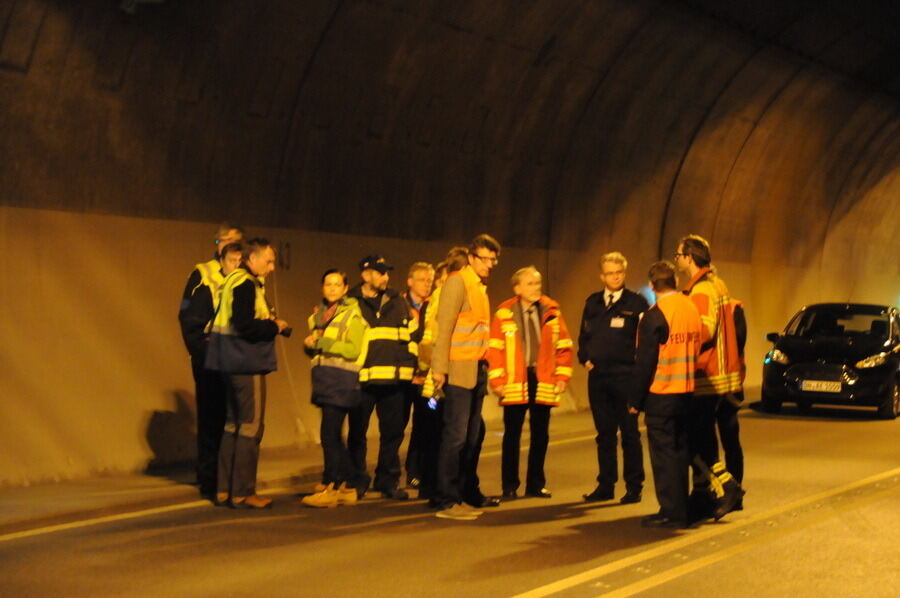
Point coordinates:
pixel 843 349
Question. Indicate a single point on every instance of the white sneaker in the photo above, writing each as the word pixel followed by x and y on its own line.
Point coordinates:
pixel 346 496
pixel 327 498
pixel 457 512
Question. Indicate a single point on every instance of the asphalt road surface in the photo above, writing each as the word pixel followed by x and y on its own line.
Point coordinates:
pixel 821 518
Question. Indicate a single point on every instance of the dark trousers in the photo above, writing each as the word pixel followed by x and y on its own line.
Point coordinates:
pixel 461 439
pixel 608 395
pixel 702 441
pixel 338 465
pixel 424 441
pixel 539 424
pixel 730 434
pixel 211 406
pixel 665 416
pixel 239 451
pixel 414 405
pixel 387 401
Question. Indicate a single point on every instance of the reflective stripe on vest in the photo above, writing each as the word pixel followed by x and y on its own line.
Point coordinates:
pixel 385 372
pixel 222 321
pixel 469 341
pixel 678 355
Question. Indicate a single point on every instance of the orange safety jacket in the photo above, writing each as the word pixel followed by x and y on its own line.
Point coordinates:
pixel 506 354
pixel 469 340
pixel 719 366
pixel 678 355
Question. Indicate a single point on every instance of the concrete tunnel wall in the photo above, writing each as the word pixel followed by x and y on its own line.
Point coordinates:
pixel 339 128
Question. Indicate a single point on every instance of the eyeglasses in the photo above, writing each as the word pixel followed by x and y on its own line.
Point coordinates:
pixel 680 254
pixel 487 259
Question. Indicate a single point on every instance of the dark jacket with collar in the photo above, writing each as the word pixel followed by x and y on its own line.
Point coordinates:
pixel 602 341
pixel 390 357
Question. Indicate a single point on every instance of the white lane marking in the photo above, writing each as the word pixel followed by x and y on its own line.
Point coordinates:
pixel 97 520
pixel 182 506
pixel 49 529
pixel 692 538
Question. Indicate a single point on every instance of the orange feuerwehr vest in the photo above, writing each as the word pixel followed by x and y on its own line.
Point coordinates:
pixel 678 355
pixel 469 341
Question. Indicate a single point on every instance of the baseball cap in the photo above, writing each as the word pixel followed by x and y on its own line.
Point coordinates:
pixel 374 262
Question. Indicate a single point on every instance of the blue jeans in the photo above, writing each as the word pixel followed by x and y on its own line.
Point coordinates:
pixel 463 433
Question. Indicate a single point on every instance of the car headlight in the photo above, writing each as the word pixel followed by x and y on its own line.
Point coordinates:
pixel 872 361
pixel 777 356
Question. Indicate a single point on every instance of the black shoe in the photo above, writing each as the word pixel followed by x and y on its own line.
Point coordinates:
pixel 542 493
pixel 662 521
pixel 598 495
pixel 509 495
pixel 395 494
pixel 484 501
pixel 725 505
pixel 630 498
pixel 701 505
pixel 413 483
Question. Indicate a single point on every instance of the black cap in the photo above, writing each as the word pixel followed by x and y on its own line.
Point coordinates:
pixel 374 262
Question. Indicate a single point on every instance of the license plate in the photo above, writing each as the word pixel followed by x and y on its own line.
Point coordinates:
pixel 820 386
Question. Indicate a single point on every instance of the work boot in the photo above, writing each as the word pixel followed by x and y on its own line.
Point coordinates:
pixel 733 493
pixel 327 498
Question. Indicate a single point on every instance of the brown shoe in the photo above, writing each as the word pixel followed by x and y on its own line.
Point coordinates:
pixel 254 501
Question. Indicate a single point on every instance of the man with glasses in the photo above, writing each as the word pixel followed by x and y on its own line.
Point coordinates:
pixel 459 368
pixel 198 306
pixel 606 345
pixel 718 382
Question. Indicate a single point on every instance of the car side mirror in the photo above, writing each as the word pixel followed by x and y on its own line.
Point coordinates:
pixel 772 337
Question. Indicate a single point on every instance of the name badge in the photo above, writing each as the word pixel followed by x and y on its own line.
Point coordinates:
pixel 617 323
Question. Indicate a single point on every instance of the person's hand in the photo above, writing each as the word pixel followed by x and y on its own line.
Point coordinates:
pixel 281 324
pixel 310 341
pixel 560 387
pixel 439 379
pixel 499 392
pixel 633 411
pixel 588 365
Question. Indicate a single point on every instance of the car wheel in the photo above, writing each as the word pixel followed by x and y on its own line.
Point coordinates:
pixel 769 404
pixel 804 406
pixel 890 407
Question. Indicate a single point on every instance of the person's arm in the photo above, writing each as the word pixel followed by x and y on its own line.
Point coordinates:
pixel 497 375
pixel 194 314
pixel 652 332
pixel 564 352
pixel 243 315
pixel 453 295
pixel 584 336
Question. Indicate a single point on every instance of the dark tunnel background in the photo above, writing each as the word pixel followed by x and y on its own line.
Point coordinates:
pixel 564 128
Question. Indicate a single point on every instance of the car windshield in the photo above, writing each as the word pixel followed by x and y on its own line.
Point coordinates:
pixel 839 321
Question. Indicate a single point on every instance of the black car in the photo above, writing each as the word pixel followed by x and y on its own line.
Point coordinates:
pixel 836 353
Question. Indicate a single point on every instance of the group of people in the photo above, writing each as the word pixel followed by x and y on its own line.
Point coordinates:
pixel 430 353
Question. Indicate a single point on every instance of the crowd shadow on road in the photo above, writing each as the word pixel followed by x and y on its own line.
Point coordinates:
pixel 586 539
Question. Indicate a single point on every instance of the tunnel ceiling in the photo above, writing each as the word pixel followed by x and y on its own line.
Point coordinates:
pixel 437 119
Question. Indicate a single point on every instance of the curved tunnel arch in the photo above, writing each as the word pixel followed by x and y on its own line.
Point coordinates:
pixel 564 128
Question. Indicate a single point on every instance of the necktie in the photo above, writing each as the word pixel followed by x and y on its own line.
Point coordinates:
pixel 533 339
pixel 609 300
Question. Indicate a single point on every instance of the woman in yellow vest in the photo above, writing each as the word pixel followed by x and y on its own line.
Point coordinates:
pixel 335 343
